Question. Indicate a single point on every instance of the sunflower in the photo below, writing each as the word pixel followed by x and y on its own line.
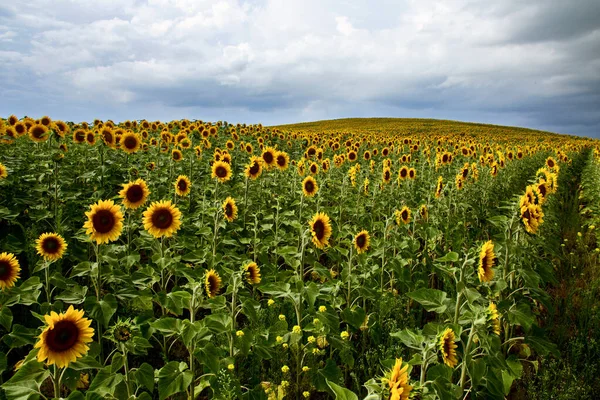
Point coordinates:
pixel 212 283
pixel 494 169
pixel 448 348
pixel 386 175
pixel 65 337
pixel 551 163
pixel 459 181
pixel 268 156
pixel 3 171
pixel 282 160
pixel 176 155
pixel 162 219
pixel 366 187
pixel 39 133
pixel 12 120
pixel 412 173
pixel 51 246
pixel 362 241
pixel 79 135
pixel 398 381
pixel 9 270
pixel 221 171
pixel 182 185
pixel 20 129
pixel 150 166
pixel 46 121
pixel 90 138
pixel 105 221
pixel 108 136
pixel 532 217
pixel 253 168
pixel 439 187
pixel 320 228
pixel 134 194
pixel 130 142
pixel 313 169
pixel 403 216
pixel 403 174
pixel 252 273
pixel 486 262
pixel 424 212
pixel 230 209
pixel 542 191
pixel 493 318
pixel 309 186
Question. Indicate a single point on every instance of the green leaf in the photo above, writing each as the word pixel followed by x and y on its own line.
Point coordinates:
pixel 409 338
pixel 105 382
pixel 341 393
pixel 450 257
pixel 20 336
pixel 430 299
pixel 26 381
pixel 173 378
pixel 102 310
pixel 354 316
pixel 145 376
pixel 521 315
pixel 6 318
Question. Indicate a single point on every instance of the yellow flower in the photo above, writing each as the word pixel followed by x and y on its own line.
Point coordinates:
pixel 65 337
pixel 312 339
pixel 182 185
pixel 10 270
pixel 306 394
pixel 486 262
pixel 134 194
pixel 239 333
pixel 230 209
pixel 105 221
pixel 285 369
pixel 231 367
pixel 296 329
pixel 345 335
pixel 398 382
pixel 309 186
pixel 279 339
pixel 362 241
pixel 448 348
pixel 322 309
pixel 270 302
pixel 252 274
pixel 51 246
pixel 162 219
pixel 320 227
pixel 212 282
pixel 281 317
pixel 305 369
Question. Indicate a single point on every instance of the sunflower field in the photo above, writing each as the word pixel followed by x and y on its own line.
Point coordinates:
pixel 362 258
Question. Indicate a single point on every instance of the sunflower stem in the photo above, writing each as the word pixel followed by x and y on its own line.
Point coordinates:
pixel 126 367
pixel 56 221
pixel 349 276
pixel 463 372
pixel 47 288
pixel 56 381
pixel 245 201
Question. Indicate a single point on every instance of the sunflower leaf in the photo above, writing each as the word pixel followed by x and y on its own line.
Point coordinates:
pixel 431 299
pixel 340 392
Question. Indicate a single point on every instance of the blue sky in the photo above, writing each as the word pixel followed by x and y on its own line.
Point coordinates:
pixel 534 64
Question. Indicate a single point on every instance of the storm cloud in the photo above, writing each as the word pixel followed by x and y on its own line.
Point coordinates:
pixel 534 64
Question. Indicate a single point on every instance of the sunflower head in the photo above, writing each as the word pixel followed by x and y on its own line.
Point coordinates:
pixel 253 168
pixel 10 270
pixel 532 217
pixel 39 133
pixel 51 246
pixel 487 259
pixel 448 348
pixel 212 283
pixel 493 318
pixel 134 194
pixel 65 338
pixel 403 174
pixel 309 186
pixel 105 221
pixel 439 187
pixel 424 212
pixel 221 171
pixel 320 229
pixel 230 209
pixel 176 155
pixel 130 142
pixel 162 219
pixel 362 241
pixel 252 272
pixel 269 157
pixel 282 160
pixel 398 381
pixel 3 171
pixel 79 135
pixel 403 216
pixel 182 185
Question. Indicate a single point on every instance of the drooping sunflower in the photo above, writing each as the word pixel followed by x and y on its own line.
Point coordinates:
pixel 130 142
pixel 39 133
pixel 320 229
pixel 398 381
pixel 183 185
pixel 65 337
pixel 309 186
pixel 134 194
pixel 439 187
pixel 221 171
pixel 10 270
pixel 493 318
pixel 532 217
pixel 252 272
pixel 105 221
pixel 176 155
pixel 362 241
pixel 3 171
pixel 230 209
pixel 487 259
pixel 403 216
pixel 212 283
pixel 448 348
pixel 253 168
pixel 162 219
pixel 424 212
pixel 51 246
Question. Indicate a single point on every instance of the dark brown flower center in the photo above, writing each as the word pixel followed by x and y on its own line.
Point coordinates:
pixel 268 157
pixel 103 221
pixel 135 193
pixel 182 185
pixel 229 210
pixel 130 142
pixel 38 132
pixel 309 186
pixel 51 245
pixel 221 171
pixel 404 215
pixel 63 337
pixel 108 137
pixel 5 270
pixel 361 241
pixel 176 155
pixel 403 172
pixel 319 229
pixel 162 218
pixel 281 161
pixel 255 168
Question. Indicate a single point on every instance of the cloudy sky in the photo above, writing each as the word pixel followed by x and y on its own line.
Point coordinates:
pixel 532 63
